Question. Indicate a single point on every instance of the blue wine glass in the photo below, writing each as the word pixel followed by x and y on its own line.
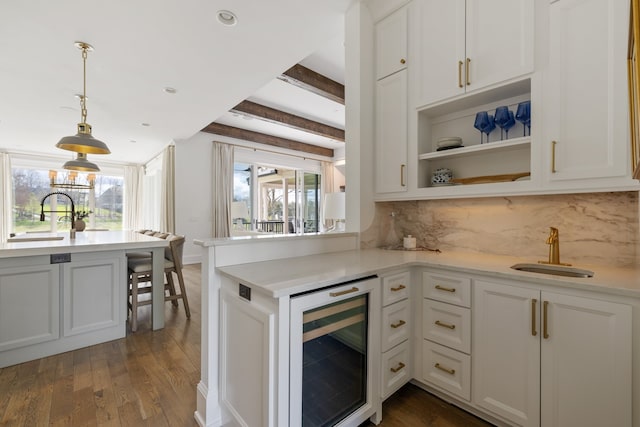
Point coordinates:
pixel 482 121
pixel 502 119
pixel 510 124
pixel 490 125
pixel 523 115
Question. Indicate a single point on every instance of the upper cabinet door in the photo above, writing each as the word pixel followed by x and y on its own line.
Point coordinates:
pixel 464 46
pixel 499 41
pixel 439 33
pixel 585 115
pixel 391 44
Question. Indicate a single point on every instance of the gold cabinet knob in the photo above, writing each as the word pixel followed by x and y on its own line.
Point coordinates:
pixel 402 61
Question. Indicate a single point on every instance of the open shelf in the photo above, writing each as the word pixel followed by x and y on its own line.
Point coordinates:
pixel 473 150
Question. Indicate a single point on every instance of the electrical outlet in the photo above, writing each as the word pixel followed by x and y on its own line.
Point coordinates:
pixel 245 292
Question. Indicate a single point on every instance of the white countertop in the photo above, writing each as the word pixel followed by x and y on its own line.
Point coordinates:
pixel 84 242
pixel 300 274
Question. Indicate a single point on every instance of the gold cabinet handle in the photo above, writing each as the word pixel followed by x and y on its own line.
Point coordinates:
pixel 443 288
pixel 402 183
pixel 442 368
pixel 397 325
pixel 460 63
pixel 445 325
pixel 466 71
pixel 553 156
pixel 402 61
pixel 533 317
pixel 397 368
pixel 399 288
pixel 545 331
pixel 346 291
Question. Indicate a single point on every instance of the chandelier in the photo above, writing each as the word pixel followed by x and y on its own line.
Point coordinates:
pixel 70 181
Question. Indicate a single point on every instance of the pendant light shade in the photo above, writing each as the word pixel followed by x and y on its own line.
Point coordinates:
pixel 80 163
pixel 83 141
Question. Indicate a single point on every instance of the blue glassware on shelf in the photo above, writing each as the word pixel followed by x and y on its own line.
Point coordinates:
pixel 489 126
pixel 523 115
pixel 481 123
pixel 505 120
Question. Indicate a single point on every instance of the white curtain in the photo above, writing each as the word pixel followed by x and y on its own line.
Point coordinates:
pixel 133 187
pixel 168 198
pixel 222 189
pixel 326 185
pixel 6 196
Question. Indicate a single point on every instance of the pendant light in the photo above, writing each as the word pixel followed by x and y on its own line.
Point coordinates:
pixel 83 142
pixel 80 163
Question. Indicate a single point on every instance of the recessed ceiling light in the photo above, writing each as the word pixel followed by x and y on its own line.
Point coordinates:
pixel 133 141
pixel 227 18
pixel 169 90
pixel 146 124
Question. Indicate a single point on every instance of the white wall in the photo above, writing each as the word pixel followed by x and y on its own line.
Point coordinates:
pixel 193 192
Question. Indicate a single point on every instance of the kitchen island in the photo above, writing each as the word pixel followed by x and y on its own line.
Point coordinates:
pixel 260 277
pixel 58 295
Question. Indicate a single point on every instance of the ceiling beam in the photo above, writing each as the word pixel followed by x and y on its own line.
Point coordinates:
pixel 317 83
pixel 271 115
pixel 263 138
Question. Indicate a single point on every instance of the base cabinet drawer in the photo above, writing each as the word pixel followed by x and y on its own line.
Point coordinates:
pixel 396 324
pixel 447 287
pixel 447 324
pixel 396 369
pixel 447 369
pixel 395 287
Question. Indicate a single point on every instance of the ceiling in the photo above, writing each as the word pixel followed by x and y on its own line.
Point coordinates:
pixel 145 46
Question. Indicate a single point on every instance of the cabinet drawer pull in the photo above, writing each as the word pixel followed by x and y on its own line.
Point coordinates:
pixel 402 61
pixel 443 288
pixel 545 331
pixel 346 291
pixel 397 368
pixel 445 325
pixel 460 63
pixel 466 71
pixel 553 156
pixel 398 288
pixel 533 317
pixel 397 325
pixel 402 183
pixel 442 368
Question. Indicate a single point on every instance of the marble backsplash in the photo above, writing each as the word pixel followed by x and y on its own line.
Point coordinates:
pixel 594 228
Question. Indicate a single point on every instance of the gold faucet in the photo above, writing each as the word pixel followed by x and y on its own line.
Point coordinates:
pixel 554 248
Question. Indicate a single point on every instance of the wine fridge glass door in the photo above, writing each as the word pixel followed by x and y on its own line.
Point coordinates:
pixel 331 355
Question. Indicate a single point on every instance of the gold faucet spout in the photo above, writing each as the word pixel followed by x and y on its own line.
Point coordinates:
pixel 554 247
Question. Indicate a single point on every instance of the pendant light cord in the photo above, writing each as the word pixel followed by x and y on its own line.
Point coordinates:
pixel 83 99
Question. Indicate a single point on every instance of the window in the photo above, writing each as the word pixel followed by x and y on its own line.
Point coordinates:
pixel 102 204
pixel 279 199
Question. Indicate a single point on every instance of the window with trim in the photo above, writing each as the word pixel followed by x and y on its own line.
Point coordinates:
pixel 100 207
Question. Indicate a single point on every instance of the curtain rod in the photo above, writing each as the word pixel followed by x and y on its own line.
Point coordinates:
pixel 324 159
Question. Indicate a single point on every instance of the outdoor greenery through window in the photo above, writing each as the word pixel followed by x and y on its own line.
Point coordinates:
pixel 102 205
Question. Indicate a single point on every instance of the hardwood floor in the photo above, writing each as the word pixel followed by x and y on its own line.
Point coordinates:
pixel 149 379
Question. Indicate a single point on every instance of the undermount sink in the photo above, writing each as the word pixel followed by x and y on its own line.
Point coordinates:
pixel 556 270
pixel 33 239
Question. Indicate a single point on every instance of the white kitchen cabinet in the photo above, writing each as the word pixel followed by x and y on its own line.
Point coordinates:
pixel 396 325
pixel 585 95
pixel 391 44
pixel 446 332
pixel 29 305
pixel 468 45
pixel 549 359
pixel 391 133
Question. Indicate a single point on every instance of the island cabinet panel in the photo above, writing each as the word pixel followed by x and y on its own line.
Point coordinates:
pixel 29 305
pixel 93 295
